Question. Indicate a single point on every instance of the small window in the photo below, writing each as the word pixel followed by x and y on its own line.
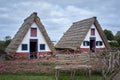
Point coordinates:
pixel 86 43
pixel 42 46
pixel 33 32
pixel 92 31
pixel 24 46
pixel 99 43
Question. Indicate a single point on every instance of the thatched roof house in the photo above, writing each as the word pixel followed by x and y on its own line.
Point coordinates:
pixel 84 35
pixel 30 38
pixel 118 33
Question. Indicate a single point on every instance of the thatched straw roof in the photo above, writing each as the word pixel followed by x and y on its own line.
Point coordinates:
pixel 12 47
pixel 75 35
pixel 118 33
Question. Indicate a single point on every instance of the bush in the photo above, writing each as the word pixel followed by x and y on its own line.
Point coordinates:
pixel 114 44
pixel 9 57
pixel 117 38
pixel 2 46
pixel 2 52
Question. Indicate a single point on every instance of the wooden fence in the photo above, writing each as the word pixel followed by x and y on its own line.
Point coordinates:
pixel 72 62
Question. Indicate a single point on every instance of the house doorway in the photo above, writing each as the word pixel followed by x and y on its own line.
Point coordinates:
pixel 92 44
pixel 33 48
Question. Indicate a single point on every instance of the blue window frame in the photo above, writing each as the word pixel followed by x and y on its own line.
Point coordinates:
pixel 99 43
pixel 42 46
pixel 24 47
pixel 86 43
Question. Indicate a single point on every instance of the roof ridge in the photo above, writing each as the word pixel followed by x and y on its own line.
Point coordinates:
pixel 94 17
pixel 34 14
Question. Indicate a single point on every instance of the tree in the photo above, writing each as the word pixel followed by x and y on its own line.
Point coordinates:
pixel 7 40
pixel 109 34
pixel 2 46
pixel 5 43
pixel 117 38
pixel 114 44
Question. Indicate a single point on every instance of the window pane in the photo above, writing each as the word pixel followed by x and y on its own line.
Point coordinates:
pixel 92 32
pixel 33 32
pixel 96 43
pixel 99 43
pixel 24 46
pixel 86 43
pixel 42 46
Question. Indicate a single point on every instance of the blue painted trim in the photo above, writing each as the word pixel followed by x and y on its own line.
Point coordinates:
pixel 44 49
pixel 29 46
pixel 24 44
pixel 95 43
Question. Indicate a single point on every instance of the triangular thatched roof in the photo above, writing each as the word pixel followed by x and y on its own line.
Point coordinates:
pixel 118 33
pixel 75 35
pixel 12 47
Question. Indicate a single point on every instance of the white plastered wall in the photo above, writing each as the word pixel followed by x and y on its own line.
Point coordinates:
pixel 97 36
pixel 39 37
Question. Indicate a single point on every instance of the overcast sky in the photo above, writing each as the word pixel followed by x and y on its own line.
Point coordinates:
pixel 58 15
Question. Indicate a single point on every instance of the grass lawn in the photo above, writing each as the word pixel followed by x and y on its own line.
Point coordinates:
pixel 33 77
